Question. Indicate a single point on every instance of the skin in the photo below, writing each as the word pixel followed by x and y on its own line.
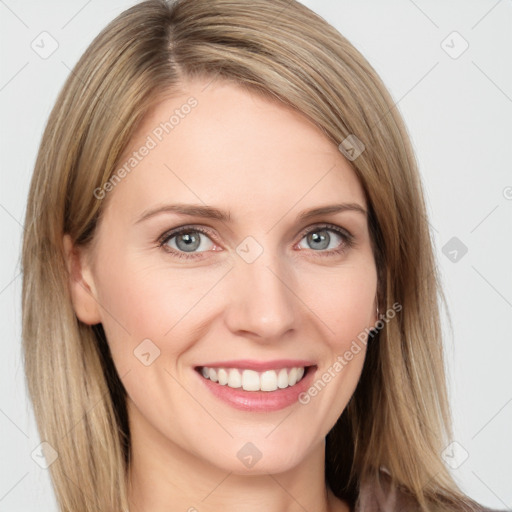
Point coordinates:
pixel 265 164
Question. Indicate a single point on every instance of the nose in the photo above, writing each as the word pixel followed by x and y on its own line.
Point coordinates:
pixel 260 299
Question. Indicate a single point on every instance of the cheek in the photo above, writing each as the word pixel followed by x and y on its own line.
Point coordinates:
pixel 149 325
pixel 346 310
pixel 146 300
pixel 345 302
pixel 142 302
pixel 346 306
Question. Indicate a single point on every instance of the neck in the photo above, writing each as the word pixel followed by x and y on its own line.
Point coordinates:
pixel 163 477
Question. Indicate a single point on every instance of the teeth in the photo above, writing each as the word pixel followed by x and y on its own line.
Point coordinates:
pixel 282 379
pixel 250 380
pixel 234 378
pixel 292 376
pixel 222 375
pixel 268 381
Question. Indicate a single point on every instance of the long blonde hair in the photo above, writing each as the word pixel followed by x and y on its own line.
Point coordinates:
pixel 398 418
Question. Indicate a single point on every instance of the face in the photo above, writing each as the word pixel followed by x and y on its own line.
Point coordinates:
pixel 210 261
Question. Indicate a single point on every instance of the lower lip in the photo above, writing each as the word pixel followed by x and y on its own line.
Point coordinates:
pixel 260 401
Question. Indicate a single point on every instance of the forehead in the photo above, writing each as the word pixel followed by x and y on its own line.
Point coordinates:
pixel 222 145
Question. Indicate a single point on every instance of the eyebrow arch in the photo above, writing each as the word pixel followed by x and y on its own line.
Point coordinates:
pixel 210 212
pixel 193 210
pixel 334 208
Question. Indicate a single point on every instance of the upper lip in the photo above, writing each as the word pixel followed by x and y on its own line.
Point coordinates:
pixel 251 364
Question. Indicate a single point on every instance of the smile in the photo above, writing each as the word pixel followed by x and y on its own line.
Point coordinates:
pixel 251 380
pixel 257 386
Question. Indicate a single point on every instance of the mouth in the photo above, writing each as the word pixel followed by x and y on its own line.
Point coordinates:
pixel 257 388
pixel 252 380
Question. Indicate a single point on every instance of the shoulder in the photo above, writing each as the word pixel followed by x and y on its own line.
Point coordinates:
pixel 378 495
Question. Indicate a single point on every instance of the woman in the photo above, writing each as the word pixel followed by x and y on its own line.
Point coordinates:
pixel 227 216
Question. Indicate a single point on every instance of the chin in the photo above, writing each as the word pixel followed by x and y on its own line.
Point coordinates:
pixel 261 455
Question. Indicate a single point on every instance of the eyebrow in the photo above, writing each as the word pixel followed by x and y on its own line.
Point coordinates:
pixel 210 212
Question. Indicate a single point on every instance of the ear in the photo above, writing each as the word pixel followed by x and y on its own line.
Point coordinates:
pixel 81 284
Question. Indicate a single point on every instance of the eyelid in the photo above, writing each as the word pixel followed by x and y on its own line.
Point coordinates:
pixel 181 229
pixel 324 225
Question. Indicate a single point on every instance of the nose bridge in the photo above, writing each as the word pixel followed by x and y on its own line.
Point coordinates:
pixel 261 301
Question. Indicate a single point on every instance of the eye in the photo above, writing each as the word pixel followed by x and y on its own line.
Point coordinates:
pixel 185 240
pixel 329 238
pixel 190 241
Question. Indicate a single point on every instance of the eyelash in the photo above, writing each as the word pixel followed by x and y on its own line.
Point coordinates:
pixel 348 239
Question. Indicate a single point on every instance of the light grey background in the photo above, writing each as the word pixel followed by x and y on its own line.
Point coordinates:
pixel 458 110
